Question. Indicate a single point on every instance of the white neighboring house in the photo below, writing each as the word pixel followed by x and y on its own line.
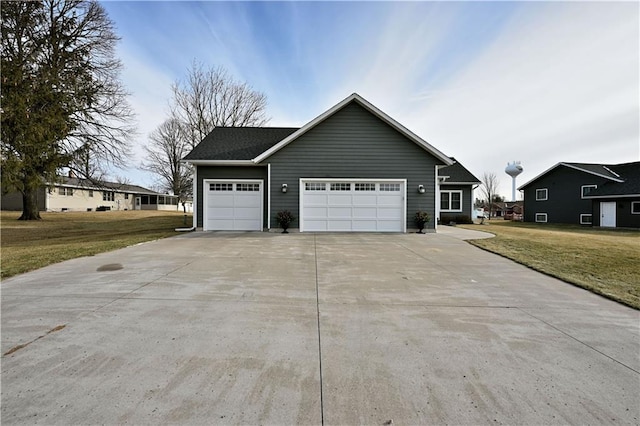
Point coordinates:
pixel 74 194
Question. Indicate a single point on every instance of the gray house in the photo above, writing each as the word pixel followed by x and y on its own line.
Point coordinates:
pixel 456 193
pixel 605 195
pixel 352 168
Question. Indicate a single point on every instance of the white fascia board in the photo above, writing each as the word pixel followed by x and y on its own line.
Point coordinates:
pixel 458 183
pixel 521 187
pixel 219 162
pixel 371 108
pixel 595 197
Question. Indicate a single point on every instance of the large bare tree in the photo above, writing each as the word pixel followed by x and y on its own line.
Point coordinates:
pixel 62 100
pixel 167 147
pixel 211 97
pixel 489 189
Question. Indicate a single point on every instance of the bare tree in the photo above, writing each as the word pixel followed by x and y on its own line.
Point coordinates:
pixel 489 190
pixel 61 94
pixel 210 97
pixel 167 147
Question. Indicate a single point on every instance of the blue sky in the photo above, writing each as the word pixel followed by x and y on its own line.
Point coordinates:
pixel 485 82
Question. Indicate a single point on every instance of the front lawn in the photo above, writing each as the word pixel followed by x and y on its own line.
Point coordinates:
pixel 606 262
pixel 62 236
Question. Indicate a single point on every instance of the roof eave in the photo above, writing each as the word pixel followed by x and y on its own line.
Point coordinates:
pixel 595 197
pixel 219 162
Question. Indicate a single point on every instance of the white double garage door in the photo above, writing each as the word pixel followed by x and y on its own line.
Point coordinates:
pixel 327 205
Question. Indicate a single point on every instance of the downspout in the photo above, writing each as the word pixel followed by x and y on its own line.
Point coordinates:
pixel 473 207
pixel 195 197
pixel 268 196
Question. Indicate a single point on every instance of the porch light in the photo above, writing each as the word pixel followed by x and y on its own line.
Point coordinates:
pixel 284 187
pixel 421 189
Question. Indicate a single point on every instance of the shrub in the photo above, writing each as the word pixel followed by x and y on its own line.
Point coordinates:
pixel 458 219
pixel 284 218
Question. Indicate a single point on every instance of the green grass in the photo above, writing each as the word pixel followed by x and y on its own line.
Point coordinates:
pixel 62 236
pixel 606 262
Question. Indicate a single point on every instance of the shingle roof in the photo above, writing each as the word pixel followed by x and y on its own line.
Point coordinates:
pixel 121 187
pixel 238 143
pixel 599 169
pixel 457 173
pixel 629 173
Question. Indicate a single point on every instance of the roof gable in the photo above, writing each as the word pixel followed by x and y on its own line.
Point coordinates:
pixel 457 173
pixel 629 173
pixel 600 170
pixel 370 108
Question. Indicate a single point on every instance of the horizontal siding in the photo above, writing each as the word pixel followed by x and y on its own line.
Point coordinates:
pixel 467 200
pixel 228 172
pixel 353 143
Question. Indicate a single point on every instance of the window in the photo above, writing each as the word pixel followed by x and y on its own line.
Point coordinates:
pixel 451 201
pixel 586 189
pixel 390 187
pixel 91 193
pixel 108 196
pixel 541 194
pixel 635 207
pixel 315 186
pixel 341 186
pixel 65 191
pixel 541 217
pixel 365 186
pixel 126 196
pixel 220 187
pixel 586 219
pixel 248 187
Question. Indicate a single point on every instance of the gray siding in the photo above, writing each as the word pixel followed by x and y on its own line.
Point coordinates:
pixel 229 172
pixel 467 203
pixel 353 143
pixel 564 202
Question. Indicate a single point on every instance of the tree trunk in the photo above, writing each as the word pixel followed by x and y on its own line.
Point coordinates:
pixel 30 205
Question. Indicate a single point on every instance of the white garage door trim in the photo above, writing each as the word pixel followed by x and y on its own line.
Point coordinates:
pixel 403 194
pixel 239 224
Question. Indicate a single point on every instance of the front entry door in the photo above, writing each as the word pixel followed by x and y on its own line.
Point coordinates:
pixel 608 214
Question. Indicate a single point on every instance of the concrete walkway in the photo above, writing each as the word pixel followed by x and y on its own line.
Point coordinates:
pixel 259 328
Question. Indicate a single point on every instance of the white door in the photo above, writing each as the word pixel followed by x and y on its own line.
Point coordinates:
pixel 137 204
pixel 352 205
pixel 232 205
pixel 608 214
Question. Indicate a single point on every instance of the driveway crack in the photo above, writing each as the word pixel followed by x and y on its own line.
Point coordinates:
pixel 315 248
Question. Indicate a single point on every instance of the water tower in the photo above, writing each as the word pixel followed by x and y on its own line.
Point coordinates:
pixel 513 170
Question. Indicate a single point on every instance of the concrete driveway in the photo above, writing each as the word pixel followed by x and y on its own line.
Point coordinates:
pixel 263 328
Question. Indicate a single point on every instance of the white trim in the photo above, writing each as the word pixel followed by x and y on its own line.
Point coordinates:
pixel 436 201
pixel 450 210
pixel 329 180
pixel 268 196
pixel 582 222
pixel 546 194
pixel 219 162
pixel 206 182
pixel 459 183
pixel 541 221
pixel 595 197
pixel 521 187
pixel 195 197
pixel 372 109
pixel 586 186
pixel 632 203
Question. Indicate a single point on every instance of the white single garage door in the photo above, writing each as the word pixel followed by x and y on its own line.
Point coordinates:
pixel 232 205
pixel 352 205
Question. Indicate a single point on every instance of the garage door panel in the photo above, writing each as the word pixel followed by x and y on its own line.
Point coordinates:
pixel 233 206
pixel 353 206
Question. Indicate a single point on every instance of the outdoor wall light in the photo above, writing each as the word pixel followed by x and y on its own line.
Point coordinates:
pixel 284 187
pixel 421 189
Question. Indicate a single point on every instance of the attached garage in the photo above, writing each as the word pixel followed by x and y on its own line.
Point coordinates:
pixel 352 205
pixel 233 205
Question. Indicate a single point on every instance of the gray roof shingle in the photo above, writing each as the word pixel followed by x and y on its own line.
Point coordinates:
pixel 629 172
pixel 457 174
pixel 238 143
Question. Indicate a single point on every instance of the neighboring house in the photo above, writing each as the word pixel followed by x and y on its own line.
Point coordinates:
pixel 456 193
pixel 352 168
pixel 605 195
pixel 511 210
pixel 74 194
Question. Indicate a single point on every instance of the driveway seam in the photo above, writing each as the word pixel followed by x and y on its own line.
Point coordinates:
pixel 315 249
pixel 579 341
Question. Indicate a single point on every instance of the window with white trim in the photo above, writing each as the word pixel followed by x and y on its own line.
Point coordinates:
pixel 635 207
pixel 315 186
pixel 65 191
pixel 586 189
pixel 341 186
pixel 542 194
pixel 541 217
pixel 248 187
pixel 108 196
pixel 586 219
pixel 365 186
pixel 390 187
pixel 220 187
pixel 451 201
